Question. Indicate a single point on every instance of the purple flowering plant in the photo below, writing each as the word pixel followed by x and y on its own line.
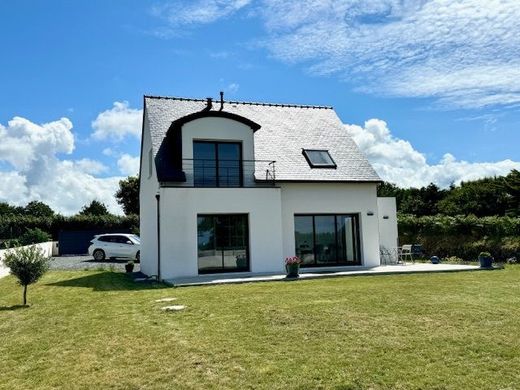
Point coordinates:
pixel 292 260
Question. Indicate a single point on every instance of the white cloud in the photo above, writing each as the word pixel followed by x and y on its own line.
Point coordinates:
pixel 179 13
pixel 396 161
pixel 32 151
pixel 118 122
pixel 232 88
pixel 464 53
pixel 93 167
pixel 128 165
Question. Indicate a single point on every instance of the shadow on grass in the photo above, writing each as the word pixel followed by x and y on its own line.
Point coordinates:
pixel 109 281
pixel 14 307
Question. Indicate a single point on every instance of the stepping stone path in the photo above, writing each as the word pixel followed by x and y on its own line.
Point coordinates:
pixel 165 299
pixel 173 308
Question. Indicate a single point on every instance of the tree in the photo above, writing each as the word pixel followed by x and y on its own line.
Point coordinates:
pixel 36 208
pixel 511 185
pixel 7 209
pixel 27 264
pixel 483 197
pixel 94 208
pixel 128 195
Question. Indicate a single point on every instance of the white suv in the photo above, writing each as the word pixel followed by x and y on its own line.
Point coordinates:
pixel 115 245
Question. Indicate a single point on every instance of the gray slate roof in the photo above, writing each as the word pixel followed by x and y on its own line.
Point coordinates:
pixel 286 129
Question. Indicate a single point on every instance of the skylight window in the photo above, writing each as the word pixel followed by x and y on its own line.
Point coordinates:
pixel 319 158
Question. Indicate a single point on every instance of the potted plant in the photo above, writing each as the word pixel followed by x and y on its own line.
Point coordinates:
pixel 292 266
pixel 485 259
pixel 129 266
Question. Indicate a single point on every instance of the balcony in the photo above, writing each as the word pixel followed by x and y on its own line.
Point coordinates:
pixel 211 173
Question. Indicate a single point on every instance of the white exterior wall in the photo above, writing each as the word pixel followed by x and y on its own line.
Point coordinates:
pixel 388 235
pixel 179 210
pixel 148 188
pixel 333 198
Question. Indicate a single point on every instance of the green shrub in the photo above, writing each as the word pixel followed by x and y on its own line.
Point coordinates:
pixel 34 236
pixel 462 236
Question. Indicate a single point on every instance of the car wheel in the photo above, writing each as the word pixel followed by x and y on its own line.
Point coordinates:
pixel 138 256
pixel 99 255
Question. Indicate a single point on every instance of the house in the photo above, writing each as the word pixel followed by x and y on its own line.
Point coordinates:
pixel 230 186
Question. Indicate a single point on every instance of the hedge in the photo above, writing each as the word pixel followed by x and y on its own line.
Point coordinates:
pixel 462 236
pixel 14 226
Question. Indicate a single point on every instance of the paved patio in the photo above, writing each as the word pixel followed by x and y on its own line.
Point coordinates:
pixel 321 273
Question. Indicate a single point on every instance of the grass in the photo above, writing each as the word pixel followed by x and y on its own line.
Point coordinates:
pixel 90 330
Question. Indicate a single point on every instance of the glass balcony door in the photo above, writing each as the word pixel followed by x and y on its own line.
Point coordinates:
pixel 217 164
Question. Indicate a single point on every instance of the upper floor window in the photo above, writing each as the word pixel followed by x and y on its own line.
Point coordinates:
pixel 319 158
pixel 217 164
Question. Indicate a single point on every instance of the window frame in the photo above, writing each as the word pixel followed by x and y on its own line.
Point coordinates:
pixel 215 144
pixel 319 166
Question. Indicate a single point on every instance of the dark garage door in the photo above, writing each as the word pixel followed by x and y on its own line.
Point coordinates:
pixel 76 242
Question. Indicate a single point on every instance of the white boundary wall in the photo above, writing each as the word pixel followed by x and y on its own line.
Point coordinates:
pixel 47 247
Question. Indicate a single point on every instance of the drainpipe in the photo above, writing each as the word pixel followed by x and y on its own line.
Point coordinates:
pixel 158 197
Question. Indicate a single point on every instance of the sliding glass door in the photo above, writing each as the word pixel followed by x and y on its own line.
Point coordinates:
pixel 223 243
pixel 323 240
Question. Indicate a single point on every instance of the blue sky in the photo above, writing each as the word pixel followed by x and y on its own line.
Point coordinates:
pixel 430 90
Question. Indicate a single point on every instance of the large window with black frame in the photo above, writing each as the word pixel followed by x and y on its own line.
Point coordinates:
pixel 223 243
pixel 217 164
pixel 327 239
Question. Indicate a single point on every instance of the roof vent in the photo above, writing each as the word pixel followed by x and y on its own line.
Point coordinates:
pixel 221 100
pixel 209 104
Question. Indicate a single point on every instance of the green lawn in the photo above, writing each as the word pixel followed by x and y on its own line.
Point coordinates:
pixel 99 330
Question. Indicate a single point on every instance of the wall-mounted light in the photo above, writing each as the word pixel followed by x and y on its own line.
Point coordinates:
pixel 385 217
pixel 370 213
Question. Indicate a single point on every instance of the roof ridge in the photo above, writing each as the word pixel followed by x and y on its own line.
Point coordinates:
pixel 241 102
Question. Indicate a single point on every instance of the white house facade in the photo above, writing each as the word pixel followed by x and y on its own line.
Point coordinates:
pixel 235 187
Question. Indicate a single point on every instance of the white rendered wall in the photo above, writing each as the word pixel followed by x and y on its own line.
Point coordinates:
pixel 217 129
pixel 148 212
pixel 179 210
pixel 333 198
pixel 388 235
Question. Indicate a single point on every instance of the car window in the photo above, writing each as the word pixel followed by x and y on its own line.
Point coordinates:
pixel 104 238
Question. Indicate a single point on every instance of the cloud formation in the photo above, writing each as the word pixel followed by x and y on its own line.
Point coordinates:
pixel 128 165
pixel 183 14
pixel 464 53
pixel 33 151
pixel 396 161
pixel 118 122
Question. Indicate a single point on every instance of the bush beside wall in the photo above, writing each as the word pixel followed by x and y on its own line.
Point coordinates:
pixel 15 226
pixel 462 236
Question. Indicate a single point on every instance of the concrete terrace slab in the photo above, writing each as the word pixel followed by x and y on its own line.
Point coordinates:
pixel 202 280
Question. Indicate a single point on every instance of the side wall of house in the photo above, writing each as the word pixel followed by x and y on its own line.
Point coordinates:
pixel 179 210
pixel 148 210
pixel 333 198
pixel 388 233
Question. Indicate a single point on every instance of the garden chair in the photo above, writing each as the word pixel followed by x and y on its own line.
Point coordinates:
pixel 406 252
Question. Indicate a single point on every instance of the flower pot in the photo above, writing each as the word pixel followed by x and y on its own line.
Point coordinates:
pixel 292 270
pixel 485 261
pixel 129 267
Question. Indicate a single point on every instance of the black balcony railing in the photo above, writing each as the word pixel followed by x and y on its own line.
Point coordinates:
pixel 229 173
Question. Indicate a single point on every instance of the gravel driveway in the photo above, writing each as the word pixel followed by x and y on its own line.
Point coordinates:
pixel 87 262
